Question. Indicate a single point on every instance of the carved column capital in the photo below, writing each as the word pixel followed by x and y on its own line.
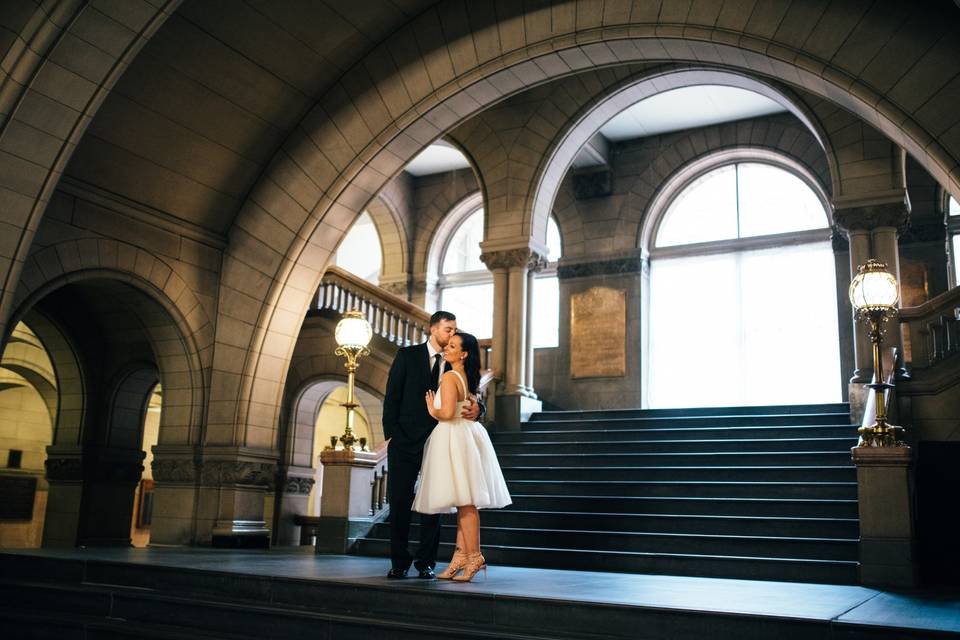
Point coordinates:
pixel 514 258
pixel 225 472
pixel 866 215
pixel 173 471
pixel 397 287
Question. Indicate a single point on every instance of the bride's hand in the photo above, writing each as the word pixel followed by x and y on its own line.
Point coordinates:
pixel 429 399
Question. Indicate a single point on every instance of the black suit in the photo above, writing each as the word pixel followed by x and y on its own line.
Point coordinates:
pixel 407 423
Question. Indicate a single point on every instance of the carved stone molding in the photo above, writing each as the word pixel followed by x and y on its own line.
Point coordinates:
pixel 298 484
pixel 839 241
pixel 221 472
pixel 612 267
pixel 512 258
pixel 182 470
pixel 64 469
pixel 869 217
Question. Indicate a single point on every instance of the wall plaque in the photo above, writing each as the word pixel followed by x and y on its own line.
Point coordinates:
pixel 598 329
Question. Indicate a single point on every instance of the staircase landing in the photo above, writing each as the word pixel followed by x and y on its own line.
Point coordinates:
pixel 229 594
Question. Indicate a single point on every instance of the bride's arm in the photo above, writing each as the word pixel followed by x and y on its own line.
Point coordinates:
pixel 448 398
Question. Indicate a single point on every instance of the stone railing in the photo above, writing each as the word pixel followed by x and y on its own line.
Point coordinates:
pixel 391 317
pixel 931 331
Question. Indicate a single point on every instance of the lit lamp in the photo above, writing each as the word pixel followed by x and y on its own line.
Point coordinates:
pixel 353 334
pixel 874 294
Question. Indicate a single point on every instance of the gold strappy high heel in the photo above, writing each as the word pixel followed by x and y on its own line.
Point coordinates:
pixel 474 564
pixel 457 563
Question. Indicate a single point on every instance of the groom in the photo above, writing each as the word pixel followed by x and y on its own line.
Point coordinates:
pixel 406 425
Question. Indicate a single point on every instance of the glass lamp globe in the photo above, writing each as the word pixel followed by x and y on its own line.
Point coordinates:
pixel 353 330
pixel 874 288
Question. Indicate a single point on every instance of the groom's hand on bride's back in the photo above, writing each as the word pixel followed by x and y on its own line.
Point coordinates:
pixel 471 411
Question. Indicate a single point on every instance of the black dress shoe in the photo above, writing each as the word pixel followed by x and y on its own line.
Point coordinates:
pixel 426 574
pixel 397 574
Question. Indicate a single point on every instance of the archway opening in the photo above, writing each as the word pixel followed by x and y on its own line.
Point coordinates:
pixel 28 411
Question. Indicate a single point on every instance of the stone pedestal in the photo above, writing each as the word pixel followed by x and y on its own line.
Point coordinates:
pixel 887 554
pixel 346 504
pixel 175 473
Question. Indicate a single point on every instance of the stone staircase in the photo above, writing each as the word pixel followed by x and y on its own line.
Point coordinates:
pixel 745 492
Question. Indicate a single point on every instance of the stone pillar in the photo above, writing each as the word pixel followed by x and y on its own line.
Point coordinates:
pixel 887 537
pixel 398 285
pixel 65 478
pixel 175 474
pixel 345 508
pixel 529 356
pixel 295 485
pixel 872 223
pixel 512 347
pixel 91 495
pixel 235 484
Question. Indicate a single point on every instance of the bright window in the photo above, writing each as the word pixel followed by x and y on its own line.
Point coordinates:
pixel 744 320
pixel 466 286
pixel 741 200
pixel 953 207
pixel 360 252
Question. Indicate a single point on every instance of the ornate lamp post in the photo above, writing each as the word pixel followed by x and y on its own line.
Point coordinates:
pixel 353 334
pixel 874 294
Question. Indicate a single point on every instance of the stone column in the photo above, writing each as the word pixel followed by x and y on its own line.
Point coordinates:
pixel 887 553
pixel 65 477
pixel 512 347
pixel 872 224
pixel 176 473
pixel 235 484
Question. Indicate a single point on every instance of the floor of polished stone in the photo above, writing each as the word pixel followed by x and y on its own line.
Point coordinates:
pixel 929 610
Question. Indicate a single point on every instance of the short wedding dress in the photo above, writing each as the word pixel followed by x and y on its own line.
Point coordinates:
pixel 460 467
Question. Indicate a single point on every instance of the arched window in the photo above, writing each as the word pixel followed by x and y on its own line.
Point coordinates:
pixel 466 286
pixel 743 306
pixel 953 228
pixel 360 251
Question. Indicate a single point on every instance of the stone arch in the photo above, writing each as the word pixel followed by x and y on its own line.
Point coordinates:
pixel 366 133
pixel 29 360
pixel 391 233
pixel 437 232
pixel 180 333
pixel 49 97
pixel 640 215
pixel 128 405
pixel 557 160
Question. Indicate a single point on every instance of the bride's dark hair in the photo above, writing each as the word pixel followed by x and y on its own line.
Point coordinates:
pixel 471 365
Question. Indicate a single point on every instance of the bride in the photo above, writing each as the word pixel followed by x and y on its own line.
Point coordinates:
pixel 460 469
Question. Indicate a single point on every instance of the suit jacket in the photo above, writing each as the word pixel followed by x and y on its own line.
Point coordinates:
pixel 406 420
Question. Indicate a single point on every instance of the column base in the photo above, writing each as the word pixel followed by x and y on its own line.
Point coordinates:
pixel 241 534
pixel 515 409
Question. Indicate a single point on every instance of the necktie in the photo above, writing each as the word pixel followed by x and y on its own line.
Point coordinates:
pixel 435 372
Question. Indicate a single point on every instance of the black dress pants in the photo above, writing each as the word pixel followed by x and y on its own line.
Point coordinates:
pixel 404 466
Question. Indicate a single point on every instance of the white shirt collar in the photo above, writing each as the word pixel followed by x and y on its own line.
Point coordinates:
pixel 431 350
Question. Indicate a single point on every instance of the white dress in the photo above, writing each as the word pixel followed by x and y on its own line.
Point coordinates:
pixel 460 467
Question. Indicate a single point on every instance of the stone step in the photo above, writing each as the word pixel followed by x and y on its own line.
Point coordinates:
pixel 690 489
pixel 587 432
pixel 675 446
pixel 796 570
pixel 673 523
pixel 767 507
pixel 704 459
pixel 760 420
pixel 700 544
pixel 809 473
pixel 796 409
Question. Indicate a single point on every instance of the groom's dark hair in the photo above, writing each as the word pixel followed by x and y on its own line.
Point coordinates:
pixel 441 315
